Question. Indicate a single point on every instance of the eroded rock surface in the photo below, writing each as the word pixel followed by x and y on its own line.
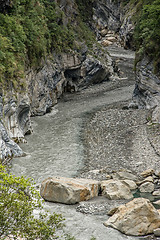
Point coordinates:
pixel 136 218
pixel 69 190
pixel 115 189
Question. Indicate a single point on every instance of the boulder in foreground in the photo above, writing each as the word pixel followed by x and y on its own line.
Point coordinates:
pixel 138 217
pixel 68 190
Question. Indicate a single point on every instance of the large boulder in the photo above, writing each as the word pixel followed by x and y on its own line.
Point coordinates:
pixel 68 190
pixel 136 218
pixel 115 189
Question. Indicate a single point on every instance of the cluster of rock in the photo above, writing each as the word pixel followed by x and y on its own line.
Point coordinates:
pixel 112 15
pixel 137 217
pixel 108 37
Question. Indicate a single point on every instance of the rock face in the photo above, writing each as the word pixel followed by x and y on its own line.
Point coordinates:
pixel 115 189
pixel 63 72
pixel 107 14
pixel 67 73
pixel 68 190
pixel 15 123
pixel 147 89
pixel 136 218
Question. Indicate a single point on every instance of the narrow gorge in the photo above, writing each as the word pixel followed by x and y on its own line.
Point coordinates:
pixel 90 111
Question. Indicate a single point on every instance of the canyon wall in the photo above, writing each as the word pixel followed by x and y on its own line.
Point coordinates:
pixel 44 85
pixel 73 71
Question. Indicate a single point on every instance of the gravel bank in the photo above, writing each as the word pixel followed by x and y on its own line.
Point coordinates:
pixel 120 139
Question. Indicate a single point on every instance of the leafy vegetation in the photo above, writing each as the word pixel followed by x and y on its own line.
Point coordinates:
pixel 30 31
pixel 18 203
pixel 147 32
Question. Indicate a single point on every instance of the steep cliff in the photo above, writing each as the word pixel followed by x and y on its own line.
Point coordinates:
pixel 38 67
pixel 49 47
pixel 147 62
pixel 136 25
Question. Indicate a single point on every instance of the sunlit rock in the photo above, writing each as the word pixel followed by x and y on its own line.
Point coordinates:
pixel 115 189
pixel 68 190
pixel 136 218
pixel 147 187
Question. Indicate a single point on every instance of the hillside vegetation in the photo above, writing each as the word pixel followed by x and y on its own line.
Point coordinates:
pixel 147 30
pixel 31 30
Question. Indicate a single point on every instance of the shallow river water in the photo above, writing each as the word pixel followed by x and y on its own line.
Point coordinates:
pixel 56 149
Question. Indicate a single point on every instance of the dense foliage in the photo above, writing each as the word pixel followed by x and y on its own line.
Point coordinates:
pixel 147 32
pixel 31 30
pixel 18 202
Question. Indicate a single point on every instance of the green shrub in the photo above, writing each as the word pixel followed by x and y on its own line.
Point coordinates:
pixel 30 30
pixel 18 201
pixel 147 33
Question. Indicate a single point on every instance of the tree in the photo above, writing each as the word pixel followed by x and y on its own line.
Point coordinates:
pixel 18 202
pixel 147 32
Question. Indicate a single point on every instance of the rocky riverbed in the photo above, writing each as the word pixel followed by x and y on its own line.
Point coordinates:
pixel 89 131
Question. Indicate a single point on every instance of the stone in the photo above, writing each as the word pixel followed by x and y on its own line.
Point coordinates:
pixel 157 173
pixel 103 32
pixel 111 39
pixel 106 43
pixel 156 193
pixel 112 211
pixel 147 187
pixel 147 173
pixel 137 218
pixel 156 232
pixel 123 175
pixel 108 177
pixel 69 190
pixel 129 183
pixel 157 202
pixel 115 189
pixel 148 179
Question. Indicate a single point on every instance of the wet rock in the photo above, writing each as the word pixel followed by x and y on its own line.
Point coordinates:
pixel 68 190
pixel 115 189
pixel 137 218
pixel 147 187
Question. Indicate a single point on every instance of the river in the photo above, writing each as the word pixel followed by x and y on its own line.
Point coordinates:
pixel 56 148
